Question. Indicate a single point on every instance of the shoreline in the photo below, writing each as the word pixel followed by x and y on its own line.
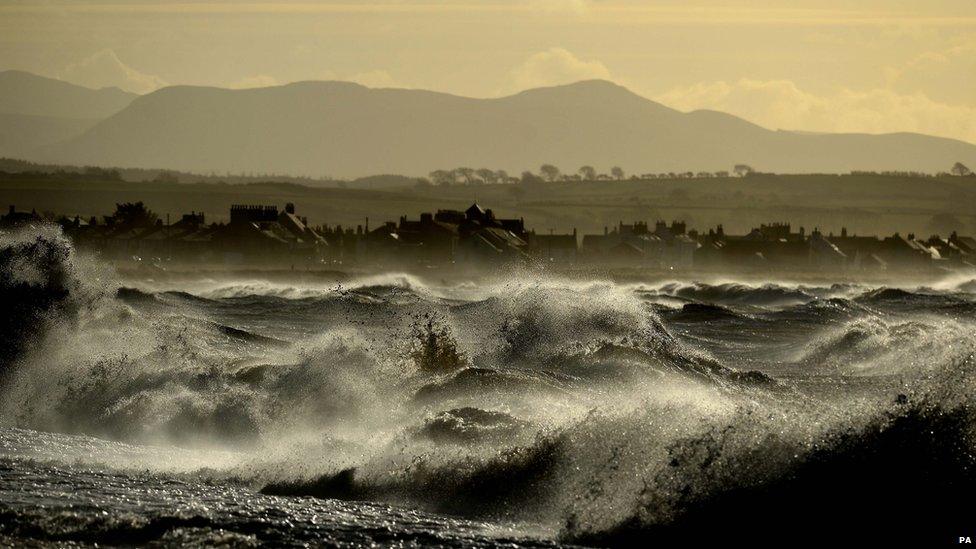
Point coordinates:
pixel 447 275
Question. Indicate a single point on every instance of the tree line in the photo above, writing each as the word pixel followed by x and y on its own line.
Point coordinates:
pixel 549 173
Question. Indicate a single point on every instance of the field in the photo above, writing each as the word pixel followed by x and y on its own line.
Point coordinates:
pixel 865 204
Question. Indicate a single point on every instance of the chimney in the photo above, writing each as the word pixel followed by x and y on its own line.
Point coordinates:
pixel 290 208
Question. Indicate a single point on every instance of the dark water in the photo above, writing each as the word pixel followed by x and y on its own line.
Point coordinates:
pixel 522 411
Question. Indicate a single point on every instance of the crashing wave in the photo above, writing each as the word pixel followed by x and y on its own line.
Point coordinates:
pixel 42 285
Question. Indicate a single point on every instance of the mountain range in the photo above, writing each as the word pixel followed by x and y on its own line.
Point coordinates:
pixel 342 129
pixel 36 111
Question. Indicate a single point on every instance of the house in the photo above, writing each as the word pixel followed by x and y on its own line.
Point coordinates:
pixel 767 246
pixel 262 234
pixel 13 218
pixel 824 254
pixel 966 244
pixel 483 237
pixel 430 240
pixel 562 248
pixel 679 252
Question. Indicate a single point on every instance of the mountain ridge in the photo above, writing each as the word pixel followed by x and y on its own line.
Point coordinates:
pixel 344 129
pixel 25 93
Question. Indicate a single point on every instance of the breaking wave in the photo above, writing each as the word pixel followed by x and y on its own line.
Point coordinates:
pixel 588 409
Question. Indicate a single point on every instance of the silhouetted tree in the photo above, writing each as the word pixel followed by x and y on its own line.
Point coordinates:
pixel 134 214
pixel 549 172
pixel 467 174
pixel 442 177
pixel 588 173
pixel 617 172
pixel 961 170
pixel 743 170
pixel 485 175
pixel 502 177
pixel 529 178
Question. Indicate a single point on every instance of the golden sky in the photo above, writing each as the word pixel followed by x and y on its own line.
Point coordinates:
pixel 815 65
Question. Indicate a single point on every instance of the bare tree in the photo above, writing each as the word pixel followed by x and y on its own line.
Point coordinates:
pixel 961 170
pixel 467 174
pixel 486 175
pixel 588 173
pixel 743 170
pixel 442 177
pixel 617 172
pixel 529 178
pixel 549 172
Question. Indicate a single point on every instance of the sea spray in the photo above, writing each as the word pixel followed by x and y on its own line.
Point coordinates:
pixel 591 411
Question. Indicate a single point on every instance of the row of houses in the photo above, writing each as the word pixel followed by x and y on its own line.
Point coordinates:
pixel 776 246
pixel 263 234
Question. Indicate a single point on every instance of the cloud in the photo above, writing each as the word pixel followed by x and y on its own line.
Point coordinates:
pixel 782 104
pixel 946 75
pixel 553 67
pixel 105 69
pixel 255 81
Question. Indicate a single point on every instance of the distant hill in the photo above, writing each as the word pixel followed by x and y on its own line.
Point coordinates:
pixel 338 129
pixel 23 170
pixel 28 94
pixel 22 134
pixel 36 111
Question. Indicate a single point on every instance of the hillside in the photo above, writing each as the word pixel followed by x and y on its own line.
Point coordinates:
pixel 22 134
pixel 36 111
pixel 346 130
pixel 28 94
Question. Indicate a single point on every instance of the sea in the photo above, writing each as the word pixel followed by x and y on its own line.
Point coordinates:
pixel 521 409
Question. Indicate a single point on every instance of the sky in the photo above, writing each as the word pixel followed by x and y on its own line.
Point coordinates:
pixel 813 65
